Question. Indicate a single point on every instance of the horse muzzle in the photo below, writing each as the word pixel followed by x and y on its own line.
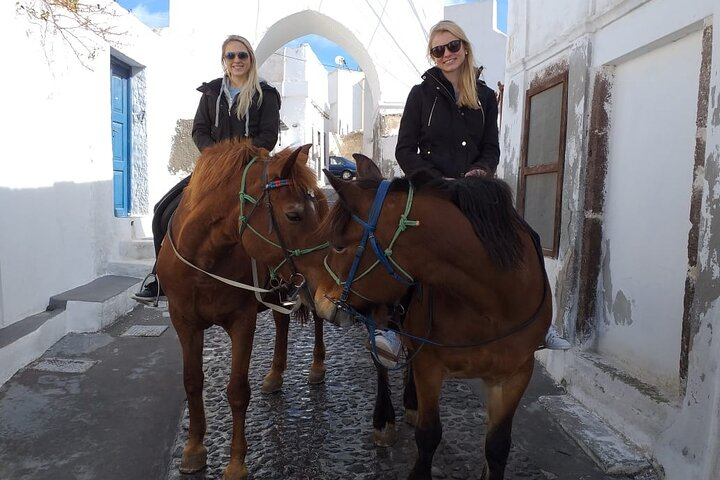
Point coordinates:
pixel 327 309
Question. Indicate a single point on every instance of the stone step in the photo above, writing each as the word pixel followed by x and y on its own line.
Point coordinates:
pixel 87 308
pixel 623 401
pixel 137 249
pixel 612 452
pixel 131 268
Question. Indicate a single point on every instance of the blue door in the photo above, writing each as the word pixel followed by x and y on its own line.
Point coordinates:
pixel 120 108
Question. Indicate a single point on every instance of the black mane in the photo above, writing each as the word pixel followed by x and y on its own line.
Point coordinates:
pixel 486 202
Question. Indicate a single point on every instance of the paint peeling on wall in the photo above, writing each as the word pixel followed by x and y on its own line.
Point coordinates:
pixel 708 283
pixel 622 309
pixel 607 288
pixel 513 95
pixel 594 199
pixel 183 152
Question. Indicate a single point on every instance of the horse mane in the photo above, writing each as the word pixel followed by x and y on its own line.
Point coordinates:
pixel 223 162
pixel 486 202
pixel 217 165
pixel 488 205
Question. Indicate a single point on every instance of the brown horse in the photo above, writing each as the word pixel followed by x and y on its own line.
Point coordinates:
pixel 481 303
pixel 203 260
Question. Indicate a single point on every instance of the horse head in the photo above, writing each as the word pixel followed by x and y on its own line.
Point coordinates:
pixel 359 268
pixel 281 208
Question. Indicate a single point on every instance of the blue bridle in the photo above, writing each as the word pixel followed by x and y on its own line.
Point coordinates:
pixel 383 256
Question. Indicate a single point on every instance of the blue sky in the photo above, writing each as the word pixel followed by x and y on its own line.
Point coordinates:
pixel 154 13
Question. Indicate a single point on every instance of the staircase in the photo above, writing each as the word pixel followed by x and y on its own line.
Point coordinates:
pixel 135 258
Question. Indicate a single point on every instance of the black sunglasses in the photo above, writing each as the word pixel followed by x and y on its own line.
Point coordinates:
pixel 439 51
pixel 242 55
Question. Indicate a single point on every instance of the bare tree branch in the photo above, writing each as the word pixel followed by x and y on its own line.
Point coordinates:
pixel 78 24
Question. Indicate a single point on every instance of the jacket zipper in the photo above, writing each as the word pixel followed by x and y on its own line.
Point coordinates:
pixel 431 111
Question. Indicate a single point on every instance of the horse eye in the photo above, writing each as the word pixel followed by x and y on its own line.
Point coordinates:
pixel 293 217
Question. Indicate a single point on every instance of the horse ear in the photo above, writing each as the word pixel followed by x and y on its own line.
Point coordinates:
pixel 336 182
pixel 293 158
pixel 367 168
pixel 344 188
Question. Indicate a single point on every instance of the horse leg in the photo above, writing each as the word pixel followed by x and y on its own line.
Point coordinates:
pixel 194 456
pixel 238 392
pixel 428 430
pixel 273 381
pixel 502 401
pixel 384 414
pixel 410 395
pixel 317 369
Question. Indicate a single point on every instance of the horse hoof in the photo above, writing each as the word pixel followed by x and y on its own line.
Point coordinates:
pixel 411 417
pixel 193 460
pixel 387 436
pixel 271 384
pixel 235 472
pixel 316 376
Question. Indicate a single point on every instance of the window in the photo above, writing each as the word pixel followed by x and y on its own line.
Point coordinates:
pixel 543 157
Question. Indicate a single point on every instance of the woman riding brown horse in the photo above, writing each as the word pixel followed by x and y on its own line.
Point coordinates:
pixel 203 260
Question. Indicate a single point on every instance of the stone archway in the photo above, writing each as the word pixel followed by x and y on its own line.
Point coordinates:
pixel 387 39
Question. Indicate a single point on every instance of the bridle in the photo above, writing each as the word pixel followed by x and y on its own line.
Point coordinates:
pixel 384 257
pixel 292 286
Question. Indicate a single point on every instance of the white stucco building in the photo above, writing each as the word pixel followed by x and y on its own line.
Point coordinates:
pixel 611 137
pixel 302 82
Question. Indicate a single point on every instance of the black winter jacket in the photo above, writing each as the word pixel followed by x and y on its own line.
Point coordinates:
pixel 439 139
pixel 263 125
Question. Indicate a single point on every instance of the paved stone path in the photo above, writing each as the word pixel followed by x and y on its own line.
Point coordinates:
pixel 325 431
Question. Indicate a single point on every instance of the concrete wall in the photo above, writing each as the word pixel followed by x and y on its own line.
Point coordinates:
pixel 635 281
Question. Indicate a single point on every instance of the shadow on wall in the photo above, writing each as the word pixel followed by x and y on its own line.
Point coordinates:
pixel 183 152
pixel 53 239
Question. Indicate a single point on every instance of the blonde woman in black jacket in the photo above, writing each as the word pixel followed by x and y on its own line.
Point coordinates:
pixel 449 130
pixel 237 105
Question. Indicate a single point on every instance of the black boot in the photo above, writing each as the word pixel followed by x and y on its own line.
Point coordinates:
pixel 149 294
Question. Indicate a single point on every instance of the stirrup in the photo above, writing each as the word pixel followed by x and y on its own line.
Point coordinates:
pixel 156 301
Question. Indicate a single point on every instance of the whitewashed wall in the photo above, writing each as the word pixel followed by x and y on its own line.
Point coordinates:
pixel 57 225
pixel 648 53
pixel 489 44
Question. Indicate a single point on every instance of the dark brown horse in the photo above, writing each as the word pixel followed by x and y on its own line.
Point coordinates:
pixel 203 261
pixel 481 303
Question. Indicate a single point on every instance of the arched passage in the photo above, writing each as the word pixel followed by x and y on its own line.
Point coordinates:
pixel 387 39
pixel 308 22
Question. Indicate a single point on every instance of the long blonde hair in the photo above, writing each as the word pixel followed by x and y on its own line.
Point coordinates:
pixel 467 81
pixel 252 84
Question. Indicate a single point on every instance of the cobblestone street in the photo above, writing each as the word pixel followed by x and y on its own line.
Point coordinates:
pixel 325 431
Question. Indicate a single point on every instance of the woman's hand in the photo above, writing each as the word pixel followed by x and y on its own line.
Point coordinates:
pixel 476 172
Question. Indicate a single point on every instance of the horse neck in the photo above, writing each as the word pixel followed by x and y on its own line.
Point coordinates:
pixel 445 252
